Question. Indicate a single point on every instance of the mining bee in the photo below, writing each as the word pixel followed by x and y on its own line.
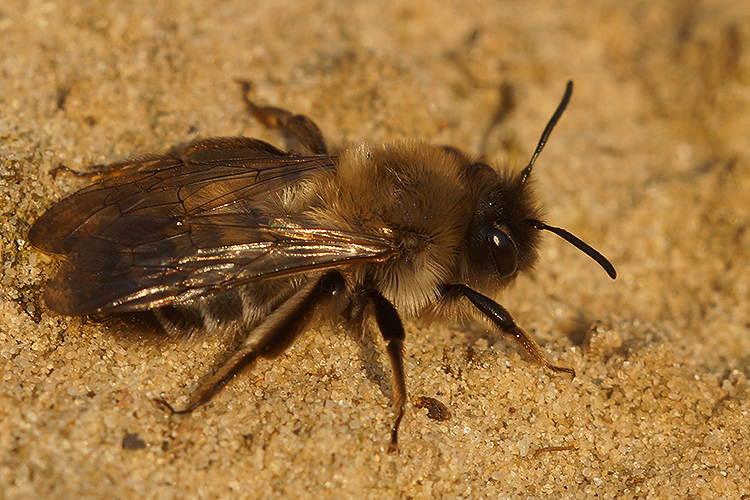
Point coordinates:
pixel 235 237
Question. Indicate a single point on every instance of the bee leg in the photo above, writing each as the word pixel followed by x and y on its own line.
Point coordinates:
pixel 300 132
pixel 272 337
pixel 94 172
pixel 392 330
pixel 504 321
pixel 64 169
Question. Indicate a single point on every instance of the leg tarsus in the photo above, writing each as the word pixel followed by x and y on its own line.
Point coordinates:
pixel 300 130
pixel 504 321
pixel 396 355
pixel 96 171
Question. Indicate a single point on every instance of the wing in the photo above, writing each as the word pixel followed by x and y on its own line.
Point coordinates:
pixel 203 176
pixel 171 228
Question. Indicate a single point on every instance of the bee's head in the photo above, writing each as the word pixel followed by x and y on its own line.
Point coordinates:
pixel 500 237
pixel 505 230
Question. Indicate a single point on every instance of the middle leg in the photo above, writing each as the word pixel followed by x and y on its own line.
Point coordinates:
pixel 305 137
pixel 392 330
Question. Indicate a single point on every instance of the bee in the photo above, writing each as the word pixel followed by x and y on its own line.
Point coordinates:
pixel 233 236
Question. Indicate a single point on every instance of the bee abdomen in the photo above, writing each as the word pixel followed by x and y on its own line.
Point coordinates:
pixel 229 312
pixel 219 313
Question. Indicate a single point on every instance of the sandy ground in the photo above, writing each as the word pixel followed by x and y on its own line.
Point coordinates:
pixel 649 164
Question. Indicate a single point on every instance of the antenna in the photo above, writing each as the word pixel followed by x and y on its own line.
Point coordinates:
pixel 548 130
pixel 562 233
pixel 578 243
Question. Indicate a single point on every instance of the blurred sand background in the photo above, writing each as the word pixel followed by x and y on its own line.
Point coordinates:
pixel 649 164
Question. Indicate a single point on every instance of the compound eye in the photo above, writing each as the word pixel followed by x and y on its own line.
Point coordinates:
pixel 504 252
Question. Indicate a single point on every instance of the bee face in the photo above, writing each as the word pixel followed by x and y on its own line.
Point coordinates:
pixel 500 243
pixel 232 235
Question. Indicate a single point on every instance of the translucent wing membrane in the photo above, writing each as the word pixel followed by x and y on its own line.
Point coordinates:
pixel 163 229
pixel 144 262
pixel 202 176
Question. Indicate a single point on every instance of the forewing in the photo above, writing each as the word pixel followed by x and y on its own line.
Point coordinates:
pixel 163 229
pixel 201 177
pixel 141 262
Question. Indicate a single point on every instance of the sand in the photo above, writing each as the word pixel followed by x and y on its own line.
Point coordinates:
pixel 649 164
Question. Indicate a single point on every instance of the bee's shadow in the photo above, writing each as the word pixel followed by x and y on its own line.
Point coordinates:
pixel 370 353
